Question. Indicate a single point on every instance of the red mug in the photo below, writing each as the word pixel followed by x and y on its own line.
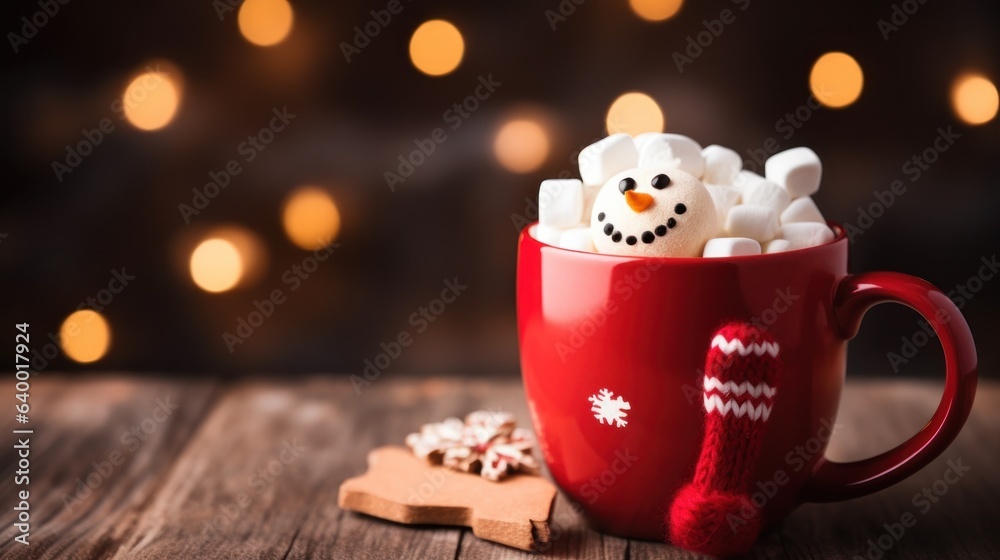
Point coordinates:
pixel 596 328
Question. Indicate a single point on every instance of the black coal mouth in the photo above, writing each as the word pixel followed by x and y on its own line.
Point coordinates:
pixel 647 237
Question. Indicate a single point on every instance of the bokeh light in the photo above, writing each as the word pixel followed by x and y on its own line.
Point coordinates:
pixel 521 145
pixel 265 22
pixel 634 113
pixel 436 47
pixel 836 80
pixel 974 99
pixel 85 336
pixel 311 218
pixel 151 99
pixel 656 10
pixel 216 265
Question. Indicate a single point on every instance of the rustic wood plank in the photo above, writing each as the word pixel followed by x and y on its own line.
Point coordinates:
pixel 386 412
pixel 259 480
pixel 570 539
pixel 82 433
pixel 162 501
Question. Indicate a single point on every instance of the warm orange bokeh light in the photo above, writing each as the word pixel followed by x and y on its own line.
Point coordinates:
pixel 265 22
pixel 656 10
pixel 311 218
pixel 975 99
pixel 634 113
pixel 436 47
pixel 150 100
pixel 85 336
pixel 521 146
pixel 216 265
pixel 836 80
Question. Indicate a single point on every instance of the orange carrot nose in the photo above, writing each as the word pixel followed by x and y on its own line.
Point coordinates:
pixel 638 201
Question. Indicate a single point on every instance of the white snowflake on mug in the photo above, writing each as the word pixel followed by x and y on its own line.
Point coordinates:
pixel 608 409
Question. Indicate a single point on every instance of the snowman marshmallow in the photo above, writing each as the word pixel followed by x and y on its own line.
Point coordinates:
pixel 653 212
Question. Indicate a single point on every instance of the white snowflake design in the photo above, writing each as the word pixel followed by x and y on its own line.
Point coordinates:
pixel 610 409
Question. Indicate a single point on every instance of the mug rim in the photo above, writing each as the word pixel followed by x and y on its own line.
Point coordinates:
pixel 840 235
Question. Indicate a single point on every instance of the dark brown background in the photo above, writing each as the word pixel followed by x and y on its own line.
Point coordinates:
pixel 453 217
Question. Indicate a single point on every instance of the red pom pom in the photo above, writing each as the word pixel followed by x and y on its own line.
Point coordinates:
pixel 711 523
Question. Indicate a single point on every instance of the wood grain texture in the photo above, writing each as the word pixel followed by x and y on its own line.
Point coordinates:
pixel 209 481
pixel 100 452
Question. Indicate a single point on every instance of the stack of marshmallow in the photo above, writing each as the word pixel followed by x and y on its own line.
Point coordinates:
pixel 767 214
pixel 564 214
pixel 754 214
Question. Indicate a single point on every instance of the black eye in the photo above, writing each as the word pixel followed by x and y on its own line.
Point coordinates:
pixel 661 181
pixel 626 184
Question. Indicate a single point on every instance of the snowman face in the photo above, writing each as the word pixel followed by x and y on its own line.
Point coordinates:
pixel 653 212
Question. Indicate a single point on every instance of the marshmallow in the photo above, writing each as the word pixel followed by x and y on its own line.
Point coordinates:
pixel 724 198
pixel 653 212
pixel 767 193
pixel 746 179
pixel 578 239
pixel 721 165
pixel 673 150
pixel 806 234
pixel 802 210
pixel 607 157
pixel 759 223
pixel 797 170
pixel 560 203
pixel 547 234
pixel 589 196
pixel 777 246
pixel 643 139
pixel 731 247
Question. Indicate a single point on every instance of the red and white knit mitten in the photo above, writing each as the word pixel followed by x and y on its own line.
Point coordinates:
pixel 741 379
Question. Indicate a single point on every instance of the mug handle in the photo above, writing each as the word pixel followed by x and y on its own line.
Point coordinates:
pixel 853 297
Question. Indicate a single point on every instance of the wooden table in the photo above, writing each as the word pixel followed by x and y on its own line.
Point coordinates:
pixel 250 469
